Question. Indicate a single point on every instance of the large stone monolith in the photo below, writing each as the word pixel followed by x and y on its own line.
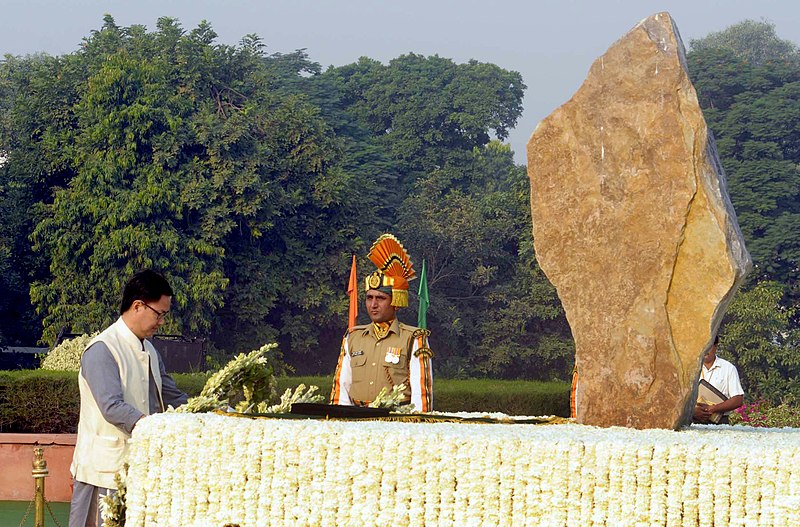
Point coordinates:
pixel 633 225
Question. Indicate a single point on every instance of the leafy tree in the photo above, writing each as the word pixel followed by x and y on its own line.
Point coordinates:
pixel 754 42
pixel 14 300
pixel 35 97
pixel 181 157
pixel 756 336
pixel 494 312
pixel 426 112
pixel 719 76
pixel 751 104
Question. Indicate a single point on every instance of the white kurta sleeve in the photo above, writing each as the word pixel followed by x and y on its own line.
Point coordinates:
pixel 421 374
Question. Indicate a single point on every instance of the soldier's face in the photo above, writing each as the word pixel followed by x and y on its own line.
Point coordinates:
pixel 379 306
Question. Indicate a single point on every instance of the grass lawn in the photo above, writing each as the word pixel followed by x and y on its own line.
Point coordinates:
pixel 12 512
pixel 477 395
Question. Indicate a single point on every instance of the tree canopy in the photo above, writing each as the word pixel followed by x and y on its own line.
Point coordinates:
pixel 166 150
pixel 752 41
pixel 249 179
pixel 751 104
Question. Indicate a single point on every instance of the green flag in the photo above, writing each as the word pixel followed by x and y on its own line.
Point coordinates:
pixel 424 301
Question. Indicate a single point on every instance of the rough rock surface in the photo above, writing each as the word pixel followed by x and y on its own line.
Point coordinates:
pixel 633 225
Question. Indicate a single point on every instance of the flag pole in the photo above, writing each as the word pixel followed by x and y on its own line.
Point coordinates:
pixel 424 301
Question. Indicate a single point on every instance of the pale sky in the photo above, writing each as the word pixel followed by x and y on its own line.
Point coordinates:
pixel 551 43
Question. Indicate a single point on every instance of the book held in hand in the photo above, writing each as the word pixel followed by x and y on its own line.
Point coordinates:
pixel 707 394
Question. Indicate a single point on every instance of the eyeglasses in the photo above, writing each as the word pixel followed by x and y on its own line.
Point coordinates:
pixel 159 314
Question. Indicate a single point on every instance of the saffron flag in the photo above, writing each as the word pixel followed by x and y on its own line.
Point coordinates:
pixel 424 301
pixel 352 292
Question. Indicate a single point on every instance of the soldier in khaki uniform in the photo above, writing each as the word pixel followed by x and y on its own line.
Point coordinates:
pixel 385 353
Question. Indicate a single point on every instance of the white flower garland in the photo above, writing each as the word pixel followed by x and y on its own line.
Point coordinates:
pixel 208 470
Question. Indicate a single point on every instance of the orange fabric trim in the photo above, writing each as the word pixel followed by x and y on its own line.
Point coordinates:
pixel 426 394
pixel 336 389
pixel 573 402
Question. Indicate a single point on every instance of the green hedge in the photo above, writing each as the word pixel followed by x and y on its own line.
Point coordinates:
pixel 38 401
pixel 48 402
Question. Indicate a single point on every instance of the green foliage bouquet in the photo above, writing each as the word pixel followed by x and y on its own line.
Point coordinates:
pixel 113 506
pixel 248 379
pixel 392 400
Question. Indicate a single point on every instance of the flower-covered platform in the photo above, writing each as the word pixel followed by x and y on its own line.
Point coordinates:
pixel 209 470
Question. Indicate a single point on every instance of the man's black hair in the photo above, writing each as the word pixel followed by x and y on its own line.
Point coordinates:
pixel 147 286
pixel 716 340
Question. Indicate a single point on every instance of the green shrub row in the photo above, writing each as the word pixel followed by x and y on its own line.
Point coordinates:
pixel 508 397
pixel 39 401
pixel 47 402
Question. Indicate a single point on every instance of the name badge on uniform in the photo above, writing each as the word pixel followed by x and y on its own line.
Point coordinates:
pixel 356 353
pixel 393 355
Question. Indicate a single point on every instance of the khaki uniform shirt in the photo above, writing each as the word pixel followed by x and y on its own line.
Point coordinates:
pixel 372 364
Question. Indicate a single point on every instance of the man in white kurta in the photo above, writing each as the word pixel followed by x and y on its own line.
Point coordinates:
pixel 122 379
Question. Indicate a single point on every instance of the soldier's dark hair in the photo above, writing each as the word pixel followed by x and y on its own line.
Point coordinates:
pixel 147 286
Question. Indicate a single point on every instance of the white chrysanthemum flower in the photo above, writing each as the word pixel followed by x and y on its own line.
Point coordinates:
pixel 67 355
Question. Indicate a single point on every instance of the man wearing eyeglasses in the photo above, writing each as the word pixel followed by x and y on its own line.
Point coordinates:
pixel 122 379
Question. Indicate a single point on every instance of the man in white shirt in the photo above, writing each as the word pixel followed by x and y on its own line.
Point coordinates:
pixel 723 376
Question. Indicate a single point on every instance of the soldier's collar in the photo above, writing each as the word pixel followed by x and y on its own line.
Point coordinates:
pixel 381 329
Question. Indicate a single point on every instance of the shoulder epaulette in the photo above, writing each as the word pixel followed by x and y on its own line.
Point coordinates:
pixel 360 327
pixel 406 327
pixel 420 332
